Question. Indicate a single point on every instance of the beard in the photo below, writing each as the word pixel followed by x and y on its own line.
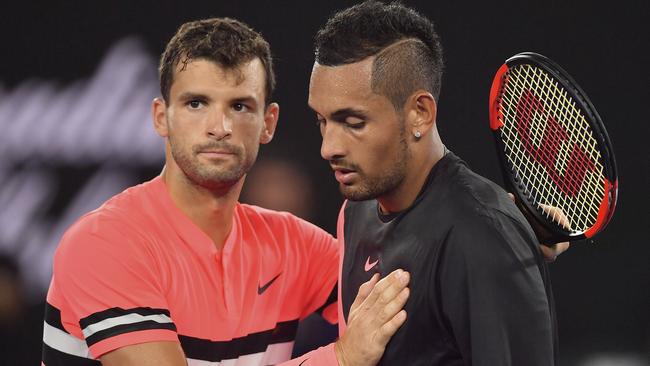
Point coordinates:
pixel 374 187
pixel 371 188
pixel 212 175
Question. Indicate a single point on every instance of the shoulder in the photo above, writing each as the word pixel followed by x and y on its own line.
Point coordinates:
pixel 472 197
pixel 114 227
pixel 483 218
pixel 279 222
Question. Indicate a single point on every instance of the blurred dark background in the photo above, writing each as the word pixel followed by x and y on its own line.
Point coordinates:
pixel 77 78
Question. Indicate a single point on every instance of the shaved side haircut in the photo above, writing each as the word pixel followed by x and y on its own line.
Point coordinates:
pixel 407 50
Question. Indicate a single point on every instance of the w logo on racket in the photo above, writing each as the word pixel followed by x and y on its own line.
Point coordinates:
pixel 554 136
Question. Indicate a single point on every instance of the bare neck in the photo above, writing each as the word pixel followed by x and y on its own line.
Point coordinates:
pixel 424 156
pixel 211 210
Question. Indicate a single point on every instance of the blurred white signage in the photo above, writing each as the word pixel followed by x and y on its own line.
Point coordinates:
pixel 99 129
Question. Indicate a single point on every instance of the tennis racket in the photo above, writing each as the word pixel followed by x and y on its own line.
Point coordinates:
pixel 554 150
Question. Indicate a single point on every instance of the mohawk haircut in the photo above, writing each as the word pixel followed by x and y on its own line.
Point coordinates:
pixel 227 42
pixel 407 48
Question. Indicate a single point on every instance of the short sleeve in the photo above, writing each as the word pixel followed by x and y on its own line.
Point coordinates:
pixel 106 286
pixel 493 294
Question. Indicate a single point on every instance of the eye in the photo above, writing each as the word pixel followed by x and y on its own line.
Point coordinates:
pixel 356 126
pixel 355 123
pixel 239 107
pixel 195 104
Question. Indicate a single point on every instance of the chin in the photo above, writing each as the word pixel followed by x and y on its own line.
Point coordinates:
pixel 355 194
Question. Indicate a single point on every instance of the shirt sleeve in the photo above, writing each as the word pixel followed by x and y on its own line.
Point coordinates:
pixel 106 288
pixel 493 295
pixel 322 271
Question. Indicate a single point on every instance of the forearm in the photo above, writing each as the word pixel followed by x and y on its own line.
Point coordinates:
pixel 323 356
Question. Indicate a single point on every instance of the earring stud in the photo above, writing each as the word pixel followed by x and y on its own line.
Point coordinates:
pixel 418 134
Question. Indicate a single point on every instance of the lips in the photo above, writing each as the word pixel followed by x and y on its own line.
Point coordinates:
pixel 216 153
pixel 344 176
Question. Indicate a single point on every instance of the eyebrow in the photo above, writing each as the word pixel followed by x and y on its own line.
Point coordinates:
pixel 192 95
pixel 246 100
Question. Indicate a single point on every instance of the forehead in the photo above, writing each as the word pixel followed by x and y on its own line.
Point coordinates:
pixel 202 74
pixel 344 86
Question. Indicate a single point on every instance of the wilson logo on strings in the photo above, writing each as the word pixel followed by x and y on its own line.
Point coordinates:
pixel 547 151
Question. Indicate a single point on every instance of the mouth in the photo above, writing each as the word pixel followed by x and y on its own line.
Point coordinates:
pixel 344 175
pixel 216 153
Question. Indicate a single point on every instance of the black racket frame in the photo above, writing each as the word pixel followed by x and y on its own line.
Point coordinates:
pixel 549 231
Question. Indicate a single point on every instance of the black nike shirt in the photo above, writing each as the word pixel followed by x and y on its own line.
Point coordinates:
pixel 480 289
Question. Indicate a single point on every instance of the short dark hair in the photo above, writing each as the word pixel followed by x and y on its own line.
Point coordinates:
pixel 407 48
pixel 224 41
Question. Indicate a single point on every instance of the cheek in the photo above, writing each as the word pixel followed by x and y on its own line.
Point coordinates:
pixel 381 155
pixel 248 124
pixel 247 132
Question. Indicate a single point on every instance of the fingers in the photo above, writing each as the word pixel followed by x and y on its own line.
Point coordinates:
pixel 387 289
pixel 364 291
pixel 556 215
pixel 395 315
pixel 551 252
pixel 375 316
pixel 391 295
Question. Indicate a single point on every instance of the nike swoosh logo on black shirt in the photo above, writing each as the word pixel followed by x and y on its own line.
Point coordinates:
pixel 261 289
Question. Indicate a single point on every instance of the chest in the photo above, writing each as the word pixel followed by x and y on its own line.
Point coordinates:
pixel 225 294
pixel 410 242
pixel 415 246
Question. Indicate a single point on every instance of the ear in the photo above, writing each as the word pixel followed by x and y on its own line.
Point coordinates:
pixel 159 115
pixel 271 115
pixel 421 112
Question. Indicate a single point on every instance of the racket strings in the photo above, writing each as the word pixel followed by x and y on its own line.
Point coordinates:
pixel 545 155
pixel 550 146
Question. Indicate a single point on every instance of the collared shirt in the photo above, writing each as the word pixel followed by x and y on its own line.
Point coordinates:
pixel 138 270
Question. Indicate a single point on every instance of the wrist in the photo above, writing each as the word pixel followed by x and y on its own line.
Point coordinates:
pixel 338 351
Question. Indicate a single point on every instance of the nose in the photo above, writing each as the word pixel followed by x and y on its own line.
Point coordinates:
pixel 332 146
pixel 219 125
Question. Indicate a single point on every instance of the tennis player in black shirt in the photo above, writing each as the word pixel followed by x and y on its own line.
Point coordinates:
pixel 479 289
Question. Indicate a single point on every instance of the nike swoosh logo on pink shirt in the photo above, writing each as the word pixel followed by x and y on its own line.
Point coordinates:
pixel 369 265
pixel 261 289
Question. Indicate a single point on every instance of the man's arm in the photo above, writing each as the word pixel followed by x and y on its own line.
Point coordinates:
pixel 105 296
pixel 146 354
